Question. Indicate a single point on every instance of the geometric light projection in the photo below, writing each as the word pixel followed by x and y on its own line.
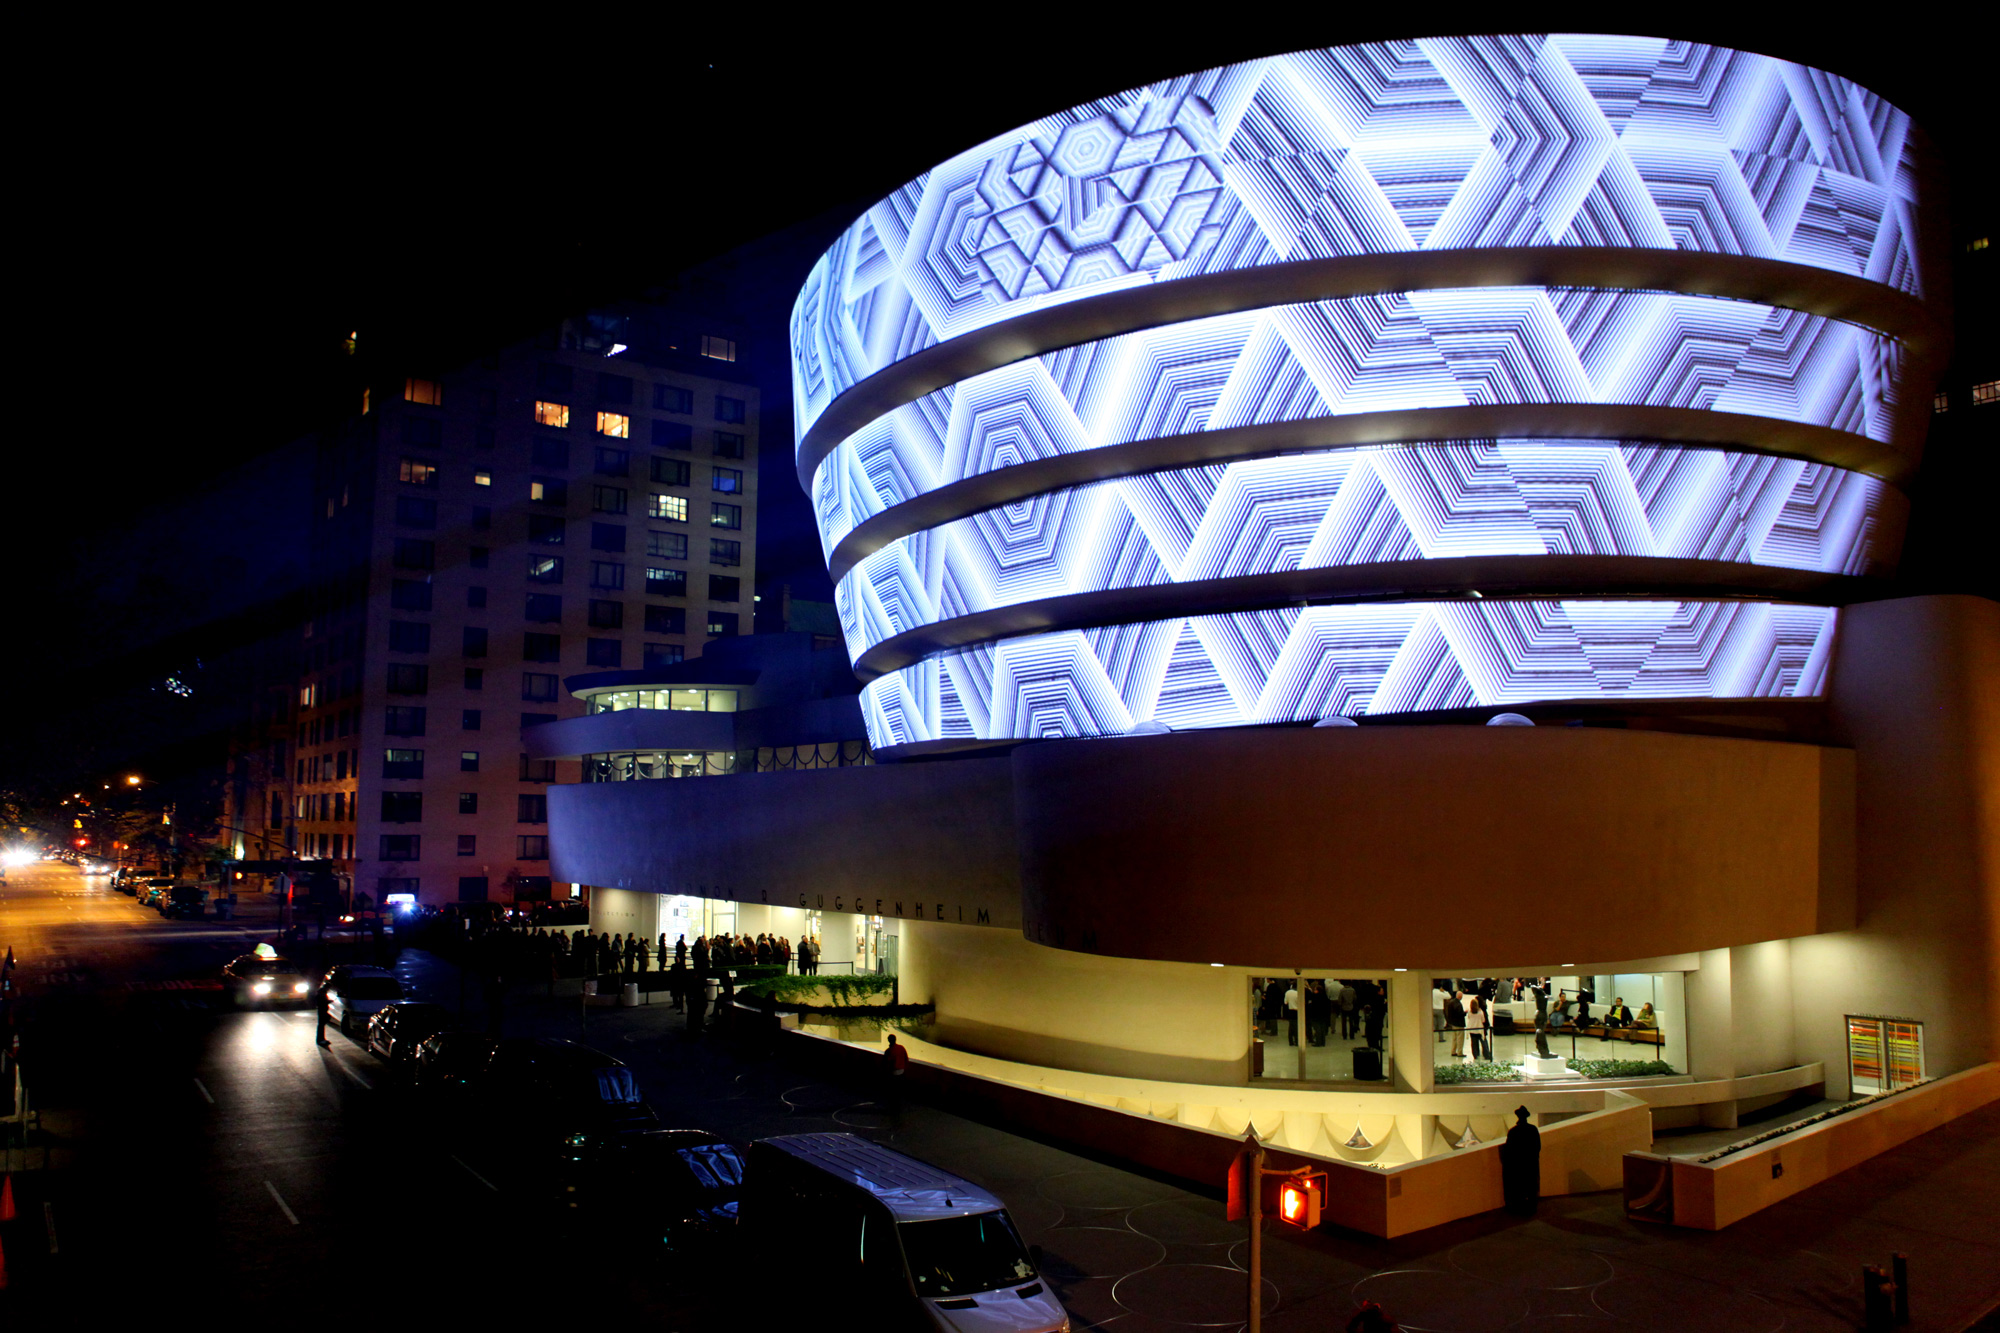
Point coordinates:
pixel 1426 145
pixel 1600 362
pixel 1361 506
pixel 1292 664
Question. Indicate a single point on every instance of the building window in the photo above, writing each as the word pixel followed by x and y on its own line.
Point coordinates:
pixel 606 614
pixel 607 576
pixel 410 594
pixel 477 556
pixel 528 847
pixel 409 636
pixel 538 687
pixel 723 551
pixel 718 349
pixel 413 511
pixel 667 545
pixel 482 479
pixel 402 763
pixel 666 620
pixel 468 803
pixel 545 569
pixel 468 761
pixel 537 770
pixel 543 608
pixel 668 508
pixel 541 647
pixel 614 462
pixel 468 719
pixel 551 414
pixel 671 398
pixel 417 472
pixel 672 435
pixel 1984 394
pixel 482 518
pixel 548 529
pixel 725 516
pixel 531 809
pixel 728 444
pixel 607 537
pixel 663 655
pixel 428 392
pixel 671 471
pixel 468 844
pixel 409 678
pixel 608 499
pixel 666 582
pixel 721 625
pixel 402 807
pixel 553 379
pixel 548 491
pixel 728 481
pixel 475 678
pixel 401 847
pixel 724 588
pixel 549 454
pixel 604 653
pixel 403 720
pixel 728 409
pixel 614 390
pixel 475 598
pixel 472 642
pixel 414 553
pixel 1940 401
pixel 615 424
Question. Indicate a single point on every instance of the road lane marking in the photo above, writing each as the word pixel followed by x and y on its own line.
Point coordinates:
pixel 283 1207
pixel 198 1087
pixel 474 1174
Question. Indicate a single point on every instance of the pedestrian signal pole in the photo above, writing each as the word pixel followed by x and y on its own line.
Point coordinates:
pixel 1298 1197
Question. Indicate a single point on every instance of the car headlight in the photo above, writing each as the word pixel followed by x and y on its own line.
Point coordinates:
pixel 261 988
pixel 300 988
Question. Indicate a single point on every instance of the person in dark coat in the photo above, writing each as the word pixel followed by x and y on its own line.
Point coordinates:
pixel 1521 1166
pixel 677 984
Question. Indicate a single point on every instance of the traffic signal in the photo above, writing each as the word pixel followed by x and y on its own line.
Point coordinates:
pixel 1299 1199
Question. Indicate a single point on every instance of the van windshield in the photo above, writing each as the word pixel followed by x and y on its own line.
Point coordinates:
pixel 956 1256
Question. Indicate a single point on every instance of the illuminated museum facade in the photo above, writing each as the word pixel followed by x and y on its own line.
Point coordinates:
pixel 1575 377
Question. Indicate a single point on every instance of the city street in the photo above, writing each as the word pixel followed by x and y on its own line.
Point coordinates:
pixel 196 1149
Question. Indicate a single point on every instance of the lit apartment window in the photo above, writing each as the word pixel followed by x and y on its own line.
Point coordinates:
pixel 1983 394
pixel 417 472
pixel 725 516
pixel 728 409
pixel 667 545
pixel 672 508
pixel 718 349
pixel 615 424
pixel 722 551
pixel 551 414
pixel 670 398
pixel 482 479
pixel 468 762
pixel 545 569
pixel 548 491
pixel 428 392
pixel 728 481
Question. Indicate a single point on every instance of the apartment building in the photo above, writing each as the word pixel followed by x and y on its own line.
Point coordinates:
pixel 583 501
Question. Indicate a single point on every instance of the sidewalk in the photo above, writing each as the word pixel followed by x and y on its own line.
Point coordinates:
pixel 1133 1253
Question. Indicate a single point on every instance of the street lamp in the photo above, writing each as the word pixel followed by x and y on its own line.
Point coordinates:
pixel 132 780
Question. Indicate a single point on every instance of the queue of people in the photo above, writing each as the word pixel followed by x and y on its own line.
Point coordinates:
pixel 1462 1011
pixel 1314 1007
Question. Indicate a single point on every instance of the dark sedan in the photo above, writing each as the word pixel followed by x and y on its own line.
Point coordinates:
pixel 679 1187
pixel 395 1032
pixel 451 1060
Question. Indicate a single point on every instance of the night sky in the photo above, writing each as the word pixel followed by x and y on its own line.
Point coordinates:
pixel 224 205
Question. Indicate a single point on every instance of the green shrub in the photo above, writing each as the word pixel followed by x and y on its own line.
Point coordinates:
pixel 1488 1071
pixel 835 990
pixel 1478 1071
pixel 1622 1068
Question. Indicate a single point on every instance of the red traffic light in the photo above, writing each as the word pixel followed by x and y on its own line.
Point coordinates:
pixel 83 842
pixel 1299 1200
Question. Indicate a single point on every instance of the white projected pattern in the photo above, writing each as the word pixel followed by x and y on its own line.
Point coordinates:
pixel 1368 354
pixel 1300 665
pixel 1435 144
pixel 1352 507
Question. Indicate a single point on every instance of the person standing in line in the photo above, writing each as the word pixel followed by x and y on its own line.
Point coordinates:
pixel 1348 1019
pixel 1479 1021
pixel 1292 1013
pixel 645 957
pixel 1454 1022
pixel 677 984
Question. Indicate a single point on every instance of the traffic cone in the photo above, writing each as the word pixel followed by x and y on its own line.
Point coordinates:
pixel 7 1199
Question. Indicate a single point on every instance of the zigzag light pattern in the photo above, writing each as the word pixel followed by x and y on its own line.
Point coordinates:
pixel 1299 665
pixel 1432 144
pixel 1360 506
pixel 1381 353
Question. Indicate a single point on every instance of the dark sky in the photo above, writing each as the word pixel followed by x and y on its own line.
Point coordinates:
pixel 219 205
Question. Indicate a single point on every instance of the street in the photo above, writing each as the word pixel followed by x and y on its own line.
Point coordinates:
pixel 216 1162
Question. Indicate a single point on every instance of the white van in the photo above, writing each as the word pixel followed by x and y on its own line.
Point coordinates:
pixel 889 1242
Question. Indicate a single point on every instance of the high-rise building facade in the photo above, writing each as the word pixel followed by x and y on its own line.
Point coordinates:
pixel 580 502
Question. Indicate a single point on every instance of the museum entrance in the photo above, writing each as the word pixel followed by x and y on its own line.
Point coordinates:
pixel 1319 1028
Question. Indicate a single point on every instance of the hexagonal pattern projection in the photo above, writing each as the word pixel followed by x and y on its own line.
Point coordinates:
pixel 1363 506
pixel 1297 664
pixel 1440 143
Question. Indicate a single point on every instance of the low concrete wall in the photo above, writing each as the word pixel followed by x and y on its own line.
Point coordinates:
pixel 1711 1195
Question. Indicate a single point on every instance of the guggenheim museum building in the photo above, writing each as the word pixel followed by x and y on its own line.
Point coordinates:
pixel 1371 519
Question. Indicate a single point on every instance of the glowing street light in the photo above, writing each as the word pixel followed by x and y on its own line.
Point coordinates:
pixel 132 780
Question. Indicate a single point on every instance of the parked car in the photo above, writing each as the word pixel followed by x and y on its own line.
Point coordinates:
pixel 253 980
pixel 184 902
pixel 679 1187
pixel 451 1060
pixel 555 1105
pixel 396 1030
pixel 354 994
pixel 913 1245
